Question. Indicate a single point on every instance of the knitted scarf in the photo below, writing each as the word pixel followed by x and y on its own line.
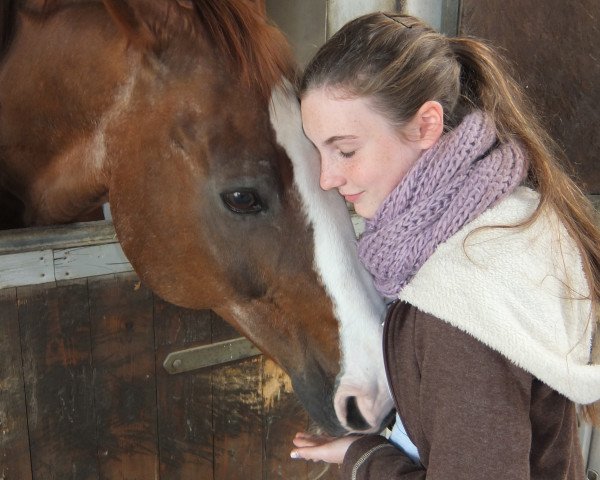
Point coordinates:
pixel 454 181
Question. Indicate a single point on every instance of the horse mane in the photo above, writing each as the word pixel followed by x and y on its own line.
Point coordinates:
pixel 237 28
pixel 242 34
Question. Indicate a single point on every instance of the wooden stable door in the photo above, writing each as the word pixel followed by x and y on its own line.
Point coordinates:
pixel 84 394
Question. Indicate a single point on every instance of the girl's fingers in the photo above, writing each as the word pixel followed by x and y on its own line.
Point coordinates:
pixel 316 453
pixel 321 448
pixel 303 442
pixel 308 440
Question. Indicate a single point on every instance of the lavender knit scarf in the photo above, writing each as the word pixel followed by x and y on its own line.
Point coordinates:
pixel 454 181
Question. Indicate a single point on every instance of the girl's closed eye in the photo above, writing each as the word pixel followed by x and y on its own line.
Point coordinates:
pixel 347 154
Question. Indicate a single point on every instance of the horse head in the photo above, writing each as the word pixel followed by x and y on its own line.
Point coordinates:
pixel 216 202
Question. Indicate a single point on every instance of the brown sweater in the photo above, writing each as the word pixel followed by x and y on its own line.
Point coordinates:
pixel 471 412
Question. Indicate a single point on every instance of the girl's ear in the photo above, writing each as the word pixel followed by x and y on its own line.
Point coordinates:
pixel 429 123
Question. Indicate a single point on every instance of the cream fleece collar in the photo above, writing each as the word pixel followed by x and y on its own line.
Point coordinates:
pixel 508 288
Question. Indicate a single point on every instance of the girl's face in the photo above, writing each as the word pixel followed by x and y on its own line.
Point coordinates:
pixel 362 154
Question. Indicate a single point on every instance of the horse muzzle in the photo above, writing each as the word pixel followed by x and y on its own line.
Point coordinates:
pixel 363 410
pixel 345 409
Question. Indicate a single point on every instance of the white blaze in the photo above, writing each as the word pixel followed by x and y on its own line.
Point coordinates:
pixel 358 307
pixel 121 102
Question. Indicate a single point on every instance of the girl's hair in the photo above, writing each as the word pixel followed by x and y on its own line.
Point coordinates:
pixel 398 63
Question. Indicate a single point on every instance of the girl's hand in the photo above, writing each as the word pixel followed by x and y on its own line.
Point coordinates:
pixel 321 447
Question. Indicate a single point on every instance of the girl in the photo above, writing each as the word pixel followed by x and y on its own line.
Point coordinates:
pixel 488 248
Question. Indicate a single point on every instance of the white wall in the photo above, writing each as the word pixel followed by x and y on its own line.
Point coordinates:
pixel 303 21
pixel 428 10
pixel 443 15
pixel 308 23
pixel 341 11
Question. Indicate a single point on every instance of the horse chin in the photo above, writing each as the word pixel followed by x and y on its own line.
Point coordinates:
pixel 318 400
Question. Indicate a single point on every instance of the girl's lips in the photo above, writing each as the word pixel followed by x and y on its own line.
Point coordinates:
pixel 352 198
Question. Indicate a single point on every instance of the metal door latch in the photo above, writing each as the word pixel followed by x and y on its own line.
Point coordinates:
pixel 209 355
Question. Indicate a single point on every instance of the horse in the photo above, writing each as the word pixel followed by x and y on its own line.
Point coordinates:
pixel 183 116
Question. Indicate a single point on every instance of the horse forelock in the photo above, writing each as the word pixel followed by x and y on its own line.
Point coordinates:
pixel 243 35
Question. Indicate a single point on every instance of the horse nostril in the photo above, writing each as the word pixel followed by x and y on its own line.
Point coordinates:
pixel 354 418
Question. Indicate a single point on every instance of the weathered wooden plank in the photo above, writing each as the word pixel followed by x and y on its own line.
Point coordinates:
pixel 55 333
pixel 28 268
pixel 237 414
pixel 15 462
pixel 125 386
pixel 283 417
pixel 184 401
pixel 81 262
pixel 57 236
pixel 45 266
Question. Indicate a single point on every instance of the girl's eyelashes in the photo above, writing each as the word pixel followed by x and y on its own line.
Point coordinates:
pixel 347 154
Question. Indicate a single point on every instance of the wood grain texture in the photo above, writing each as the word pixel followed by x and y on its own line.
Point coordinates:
pixel 185 429
pixel 554 48
pixel 15 461
pixel 237 419
pixel 121 312
pixel 55 337
pixel 26 268
pixel 57 236
pixel 83 382
pixel 237 413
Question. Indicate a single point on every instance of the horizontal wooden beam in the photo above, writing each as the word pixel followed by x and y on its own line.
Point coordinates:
pixel 57 236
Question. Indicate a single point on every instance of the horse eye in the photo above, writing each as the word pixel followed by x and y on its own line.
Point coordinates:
pixel 242 201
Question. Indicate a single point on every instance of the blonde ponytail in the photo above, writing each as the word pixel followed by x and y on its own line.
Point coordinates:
pixel 486 83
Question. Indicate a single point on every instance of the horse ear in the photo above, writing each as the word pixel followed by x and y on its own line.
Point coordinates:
pixel 125 16
pixel 261 6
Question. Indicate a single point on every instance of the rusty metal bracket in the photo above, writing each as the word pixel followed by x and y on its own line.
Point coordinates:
pixel 209 355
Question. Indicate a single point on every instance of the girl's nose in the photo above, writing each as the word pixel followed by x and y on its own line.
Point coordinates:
pixel 330 176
